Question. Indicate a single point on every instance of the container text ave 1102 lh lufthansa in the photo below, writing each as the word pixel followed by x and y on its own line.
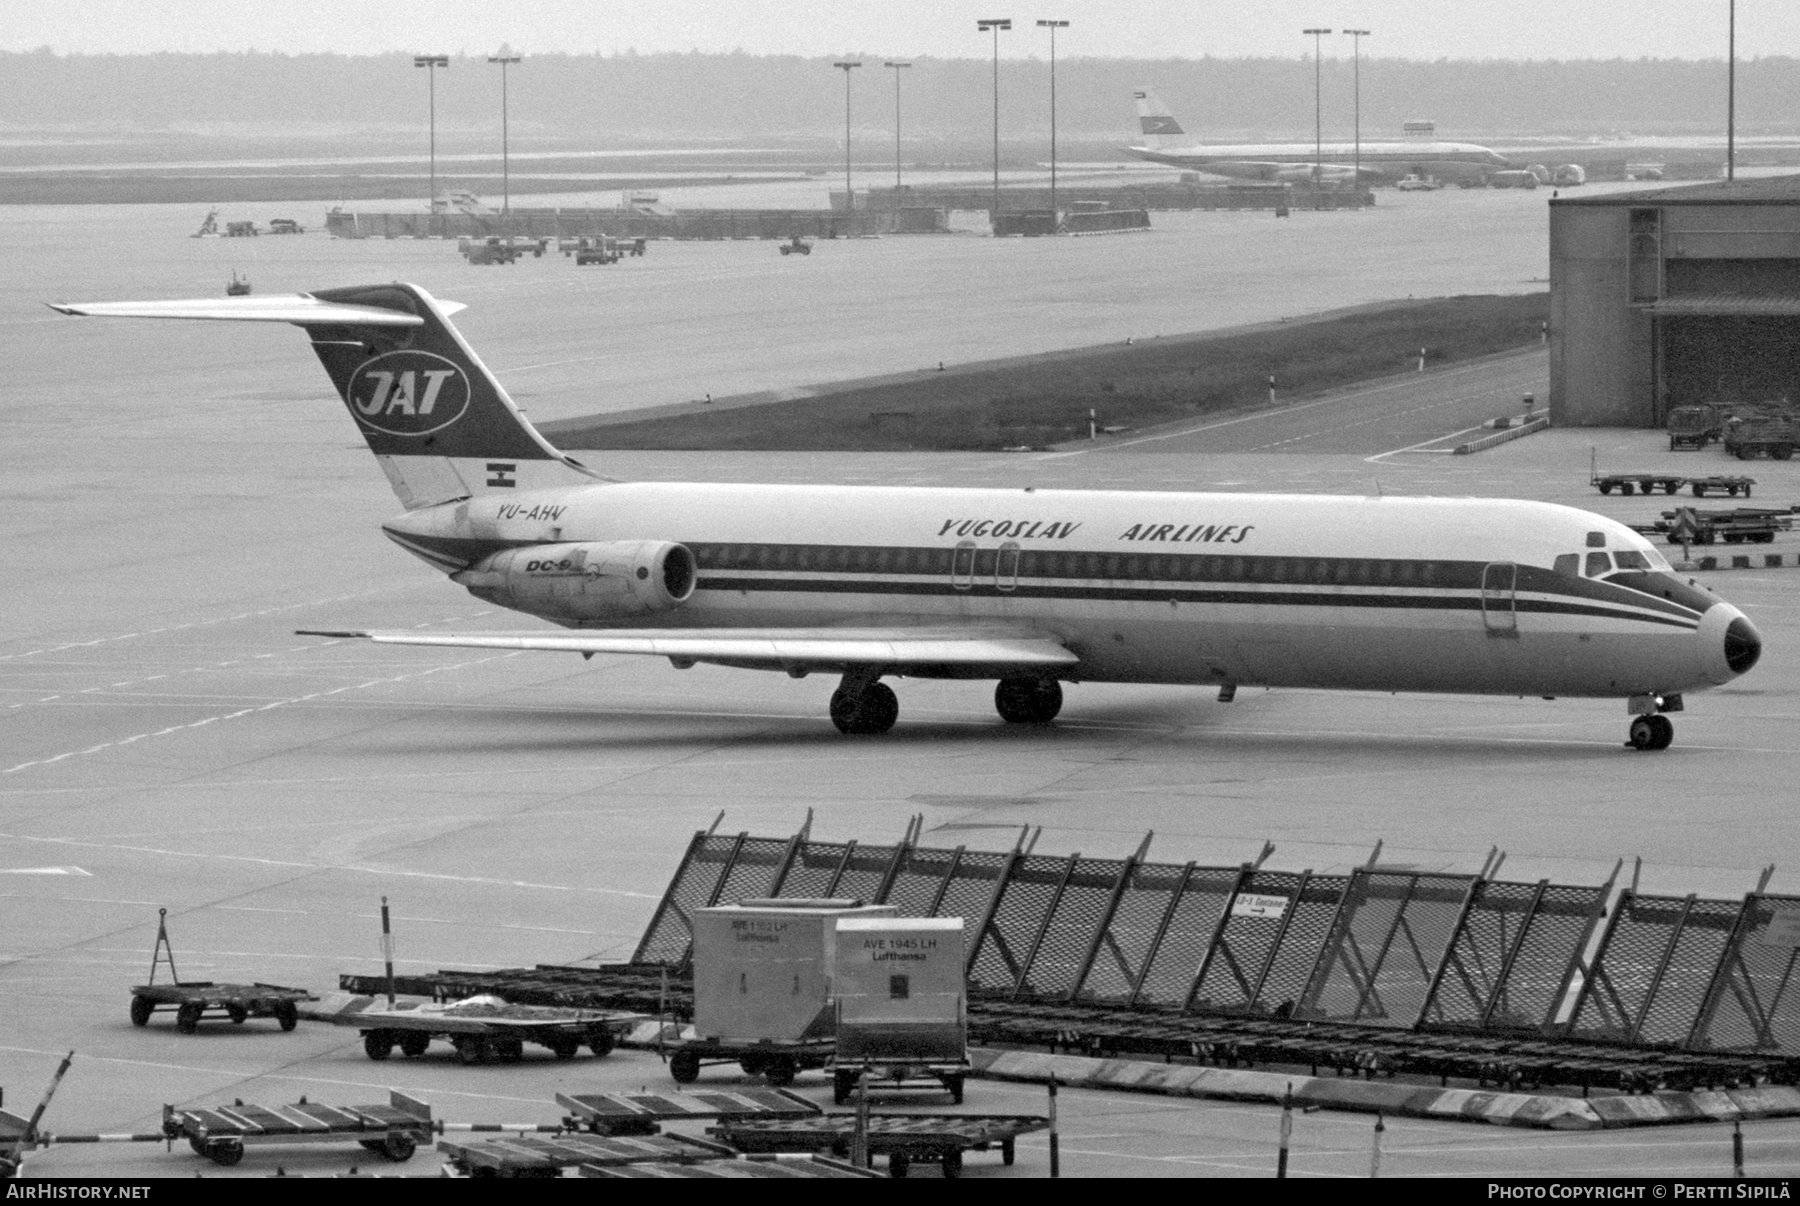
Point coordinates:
pixel 1033 588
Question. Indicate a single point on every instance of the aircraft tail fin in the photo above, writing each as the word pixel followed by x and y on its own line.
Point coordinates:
pixel 437 420
pixel 1157 125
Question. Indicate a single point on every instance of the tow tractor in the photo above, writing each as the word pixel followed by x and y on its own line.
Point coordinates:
pixel 796 246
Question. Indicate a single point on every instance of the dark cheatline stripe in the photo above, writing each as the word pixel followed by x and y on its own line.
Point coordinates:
pixel 1127 594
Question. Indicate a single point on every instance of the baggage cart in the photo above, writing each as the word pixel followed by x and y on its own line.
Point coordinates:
pixel 1720 484
pixel 532 1156
pixel 193 1000
pixel 763 986
pixel 644 1113
pixel 758 1168
pixel 905 1139
pixel 223 1134
pixel 480 1029
pixel 902 1007
pixel 1647 483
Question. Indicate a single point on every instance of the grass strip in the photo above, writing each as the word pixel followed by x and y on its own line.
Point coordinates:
pixel 1037 401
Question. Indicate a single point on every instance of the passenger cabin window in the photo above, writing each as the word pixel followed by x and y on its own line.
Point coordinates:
pixel 1569 564
pixel 1598 564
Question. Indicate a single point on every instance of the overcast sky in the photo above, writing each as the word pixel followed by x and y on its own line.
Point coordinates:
pixel 1421 29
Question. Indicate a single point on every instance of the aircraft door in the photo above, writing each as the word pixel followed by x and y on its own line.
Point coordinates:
pixel 962 565
pixel 1006 567
pixel 1499 598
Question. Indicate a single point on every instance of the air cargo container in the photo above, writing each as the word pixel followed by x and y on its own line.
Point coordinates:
pixel 902 1007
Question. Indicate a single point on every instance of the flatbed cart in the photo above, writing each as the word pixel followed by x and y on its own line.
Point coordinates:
pixel 1731 485
pixel 480 1028
pixel 1741 525
pixel 532 1156
pixel 193 1000
pixel 904 1139
pixel 1648 483
pixel 743 1168
pixel 890 1077
pixel 777 1061
pixel 221 1135
pixel 644 1113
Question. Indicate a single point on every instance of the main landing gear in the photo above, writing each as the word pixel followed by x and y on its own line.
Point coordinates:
pixel 1028 700
pixel 864 705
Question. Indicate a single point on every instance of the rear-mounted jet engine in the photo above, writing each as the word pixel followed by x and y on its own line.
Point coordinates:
pixel 582 582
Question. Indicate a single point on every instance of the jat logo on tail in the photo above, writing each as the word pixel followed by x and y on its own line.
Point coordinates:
pixel 409 393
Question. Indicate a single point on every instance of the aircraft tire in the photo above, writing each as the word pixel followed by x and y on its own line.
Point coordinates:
pixel 871 711
pixel 1028 700
pixel 1665 732
pixel 1651 732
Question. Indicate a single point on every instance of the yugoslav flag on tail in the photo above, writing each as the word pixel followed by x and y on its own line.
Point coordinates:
pixel 1154 119
pixel 433 415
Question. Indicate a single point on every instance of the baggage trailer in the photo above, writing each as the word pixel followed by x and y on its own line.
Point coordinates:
pixel 1742 525
pixel 902 1005
pixel 221 1135
pixel 763 986
pixel 644 1113
pixel 194 1000
pixel 904 1139
pixel 530 1156
pixel 481 1028
pixel 1648 483
pixel 1720 484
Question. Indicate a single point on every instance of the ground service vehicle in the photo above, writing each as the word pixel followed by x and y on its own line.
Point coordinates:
pixel 1694 427
pixel 1747 439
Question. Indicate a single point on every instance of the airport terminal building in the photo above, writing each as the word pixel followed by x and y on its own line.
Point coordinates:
pixel 1675 297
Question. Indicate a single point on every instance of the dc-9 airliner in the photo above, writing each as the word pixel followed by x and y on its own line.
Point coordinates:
pixel 1031 588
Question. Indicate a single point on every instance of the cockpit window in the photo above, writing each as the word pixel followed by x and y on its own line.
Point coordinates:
pixel 1628 560
pixel 1568 564
pixel 1598 564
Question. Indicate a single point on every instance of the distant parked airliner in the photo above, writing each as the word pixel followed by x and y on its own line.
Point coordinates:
pixel 1164 141
pixel 1030 587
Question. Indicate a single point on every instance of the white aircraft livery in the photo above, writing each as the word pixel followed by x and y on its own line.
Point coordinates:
pixel 1296 162
pixel 1031 587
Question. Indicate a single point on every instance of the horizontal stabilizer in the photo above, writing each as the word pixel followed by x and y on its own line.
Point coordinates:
pixel 302 309
pixel 894 647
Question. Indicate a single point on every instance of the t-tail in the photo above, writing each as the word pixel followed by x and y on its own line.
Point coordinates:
pixel 436 419
pixel 1159 128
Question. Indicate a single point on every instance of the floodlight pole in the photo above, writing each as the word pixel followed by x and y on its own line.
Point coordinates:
pixel 431 62
pixel 1053 26
pixel 847 67
pixel 1731 93
pixel 505 58
pixel 1356 60
pixel 897 69
pixel 1318 115
pixel 983 25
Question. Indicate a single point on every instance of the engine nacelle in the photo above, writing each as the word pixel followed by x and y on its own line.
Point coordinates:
pixel 591 581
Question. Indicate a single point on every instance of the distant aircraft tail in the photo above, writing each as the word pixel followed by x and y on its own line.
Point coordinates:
pixel 1157 125
pixel 434 416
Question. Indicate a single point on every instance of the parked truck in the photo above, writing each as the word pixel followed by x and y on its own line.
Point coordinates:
pixel 1694 427
pixel 1775 438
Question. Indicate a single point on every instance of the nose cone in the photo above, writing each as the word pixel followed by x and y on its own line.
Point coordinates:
pixel 1743 645
pixel 1729 644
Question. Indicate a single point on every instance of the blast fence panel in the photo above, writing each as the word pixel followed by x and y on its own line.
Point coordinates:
pixel 1514 957
pixel 971 890
pixel 919 879
pixel 1753 1005
pixel 814 871
pixel 1628 992
pixel 1390 938
pixel 1171 965
pixel 696 882
pixel 1238 962
pixel 1025 900
pixel 1302 944
pixel 1074 921
pixel 864 873
pixel 1131 933
pixel 754 871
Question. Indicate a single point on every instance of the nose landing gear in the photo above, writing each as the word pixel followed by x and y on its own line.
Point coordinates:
pixel 1028 700
pixel 1650 732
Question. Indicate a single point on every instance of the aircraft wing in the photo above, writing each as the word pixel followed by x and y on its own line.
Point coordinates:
pixel 898 648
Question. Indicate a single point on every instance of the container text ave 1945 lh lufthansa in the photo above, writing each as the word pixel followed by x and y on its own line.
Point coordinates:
pixel 1033 588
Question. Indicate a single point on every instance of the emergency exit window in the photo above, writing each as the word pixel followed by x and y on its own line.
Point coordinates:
pixel 899 988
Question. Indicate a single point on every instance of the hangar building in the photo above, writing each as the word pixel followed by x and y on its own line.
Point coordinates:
pixel 1675 297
